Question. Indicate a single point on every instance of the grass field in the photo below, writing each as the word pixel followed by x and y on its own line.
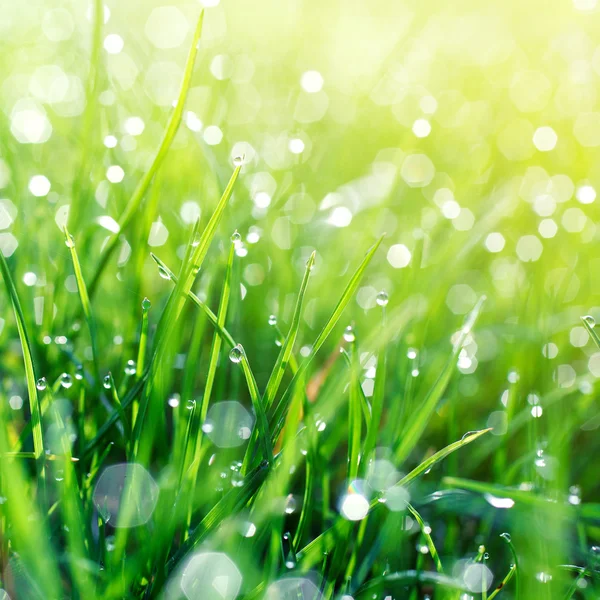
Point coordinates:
pixel 299 300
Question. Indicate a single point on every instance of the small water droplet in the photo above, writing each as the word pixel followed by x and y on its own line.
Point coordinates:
pixel 349 334
pixel 79 372
pixel 146 304
pixel 59 475
pixel 235 356
pixel 196 240
pixel 66 380
pixel 130 367
pixel 163 272
pixel 506 536
pixel 106 382
pixel 290 505
pixel 41 383
pixel 110 543
pixel 191 404
pixel 70 241
pixel 237 479
pixel 595 550
pixel 238 161
pixel 486 556
pixel 236 237
pixel 589 320
pixel 467 435
pixel 272 320
pixel 382 298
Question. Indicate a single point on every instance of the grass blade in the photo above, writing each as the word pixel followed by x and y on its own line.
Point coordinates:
pixel 589 323
pixel 165 143
pixel 418 423
pixel 83 296
pixel 425 532
pixel 34 401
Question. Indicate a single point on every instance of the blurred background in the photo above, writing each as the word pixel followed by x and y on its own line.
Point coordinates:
pixel 468 132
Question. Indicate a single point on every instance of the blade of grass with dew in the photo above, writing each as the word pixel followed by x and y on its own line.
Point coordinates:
pixel 402 579
pixel 278 417
pixel 424 530
pixel 416 426
pixel 354 417
pixel 84 297
pixel 225 335
pixel 163 148
pixel 34 401
pixel 589 323
pixel 140 364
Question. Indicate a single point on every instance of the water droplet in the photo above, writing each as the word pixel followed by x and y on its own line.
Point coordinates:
pixel 382 298
pixel 59 475
pixel 238 161
pixel 237 479
pixel 236 237
pixel 163 273
pixel 41 383
pixel 290 505
pixel 70 241
pixel 595 550
pixel 66 380
pixel 235 356
pixel 191 404
pixel 589 320
pixel 486 556
pixel 506 536
pixel 349 334
pixel 146 304
pixel 110 543
pixel 79 372
pixel 106 382
pixel 196 240
pixel 130 367
pixel 272 320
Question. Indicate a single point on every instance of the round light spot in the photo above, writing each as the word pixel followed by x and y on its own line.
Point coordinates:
pixel 134 126
pixel 587 129
pixel 190 212
pixel 166 27
pixel 579 337
pixel 39 185
pixel 115 174
pixel 421 128
pixel 29 123
pixel 547 228
pixel 478 577
pixel 529 248
pixel 545 138
pixel 8 244
pixel 29 278
pixel 296 146
pixel 399 256
pixel 495 242
pixel 228 424
pixel 159 234
pixel 110 141
pixel 417 170
pixel 211 576
pixel 58 25
pixel 451 209
pixel 221 66
pixel 585 194
pixel 113 43
pixel 428 104
pixel 311 82
pixel 461 299
pixel 292 588
pixel 573 220
pixel 354 507
pixel 340 217
pixel 213 135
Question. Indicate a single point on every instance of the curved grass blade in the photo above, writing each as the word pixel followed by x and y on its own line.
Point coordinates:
pixel 502 584
pixel 168 136
pixel 34 401
pixel 589 323
pixel 225 335
pixel 278 418
pixel 425 532
pixel 83 296
pixel 418 423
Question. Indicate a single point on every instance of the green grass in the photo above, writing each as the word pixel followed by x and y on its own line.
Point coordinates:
pixel 227 389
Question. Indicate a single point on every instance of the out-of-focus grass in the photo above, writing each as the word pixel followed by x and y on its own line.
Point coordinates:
pixel 286 410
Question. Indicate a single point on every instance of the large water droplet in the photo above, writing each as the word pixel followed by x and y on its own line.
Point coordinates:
pixel 191 404
pixel 106 382
pixel 41 383
pixel 130 367
pixel 506 536
pixel 382 298
pixel 272 320
pixel 70 241
pixel 235 236
pixel 66 380
pixel 146 304
pixel 163 273
pixel 349 334
pixel 290 505
pixel 235 356
pixel 238 161
pixel 589 320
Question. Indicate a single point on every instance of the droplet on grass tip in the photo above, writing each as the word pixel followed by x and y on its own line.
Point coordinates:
pixel 235 356
pixel 191 404
pixel 290 505
pixel 238 161
pixel 106 382
pixel 272 320
pixel 41 383
pixel 589 321
pixel 70 241
pixel 66 380
pixel 79 372
pixel 349 334
pixel 506 537
pixel 235 236
pixel 146 304
pixel 382 298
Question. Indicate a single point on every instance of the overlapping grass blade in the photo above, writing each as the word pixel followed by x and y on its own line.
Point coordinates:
pixel 163 148
pixel 417 424
pixel 83 296
pixel 34 402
